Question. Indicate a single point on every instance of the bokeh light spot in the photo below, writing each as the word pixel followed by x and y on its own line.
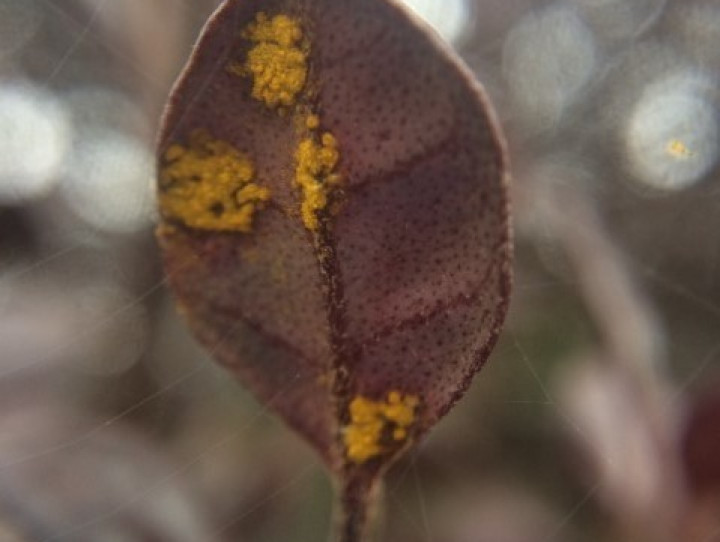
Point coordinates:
pixel 34 138
pixel 108 182
pixel 548 57
pixel 447 17
pixel 672 134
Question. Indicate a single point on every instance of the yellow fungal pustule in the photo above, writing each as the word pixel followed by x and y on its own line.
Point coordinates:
pixel 376 424
pixel 207 185
pixel 312 122
pixel 277 60
pixel 315 175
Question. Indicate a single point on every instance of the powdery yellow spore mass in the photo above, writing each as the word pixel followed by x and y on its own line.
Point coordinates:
pixel 371 420
pixel 312 122
pixel 207 185
pixel 277 62
pixel 315 175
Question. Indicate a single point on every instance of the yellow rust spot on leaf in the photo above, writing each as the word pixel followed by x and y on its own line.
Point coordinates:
pixel 312 122
pixel 277 60
pixel 371 422
pixel 315 175
pixel 207 185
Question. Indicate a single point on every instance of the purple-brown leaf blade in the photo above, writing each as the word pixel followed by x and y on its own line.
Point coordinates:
pixel 359 295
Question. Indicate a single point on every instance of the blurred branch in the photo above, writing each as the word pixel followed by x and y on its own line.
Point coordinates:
pixel 630 349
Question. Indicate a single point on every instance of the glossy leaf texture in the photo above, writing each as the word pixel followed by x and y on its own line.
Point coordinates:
pixel 334 219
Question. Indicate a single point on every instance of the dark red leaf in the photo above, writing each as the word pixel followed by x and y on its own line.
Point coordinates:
pixel 335 220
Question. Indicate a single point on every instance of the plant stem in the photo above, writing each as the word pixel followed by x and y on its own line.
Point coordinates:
pixel 358 511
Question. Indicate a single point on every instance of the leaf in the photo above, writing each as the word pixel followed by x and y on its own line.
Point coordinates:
pixel 335 221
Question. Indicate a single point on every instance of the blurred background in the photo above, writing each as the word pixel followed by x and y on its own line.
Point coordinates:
pixel 598 415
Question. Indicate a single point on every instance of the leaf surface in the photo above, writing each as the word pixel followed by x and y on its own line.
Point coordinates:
pixel 334 219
